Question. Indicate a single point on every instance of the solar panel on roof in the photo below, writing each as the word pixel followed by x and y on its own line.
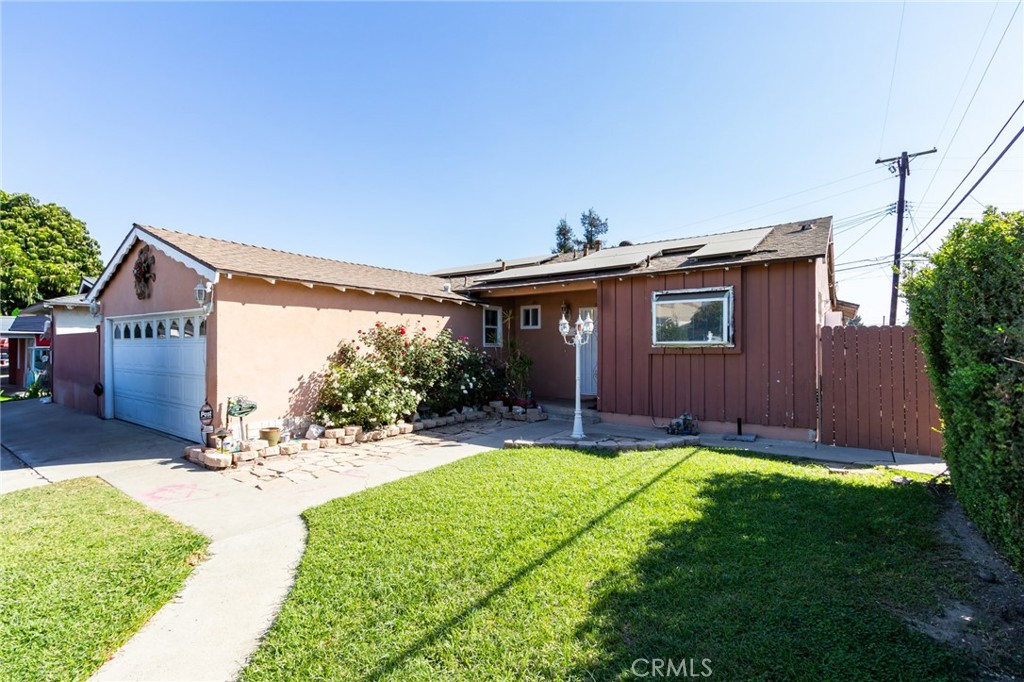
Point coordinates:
pixel 731 244
pixel 493 266
pixel 605 259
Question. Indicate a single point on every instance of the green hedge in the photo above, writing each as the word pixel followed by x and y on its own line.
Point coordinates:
pixel 968 308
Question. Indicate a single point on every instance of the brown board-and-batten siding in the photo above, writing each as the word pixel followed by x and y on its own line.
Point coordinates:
pixel 767 378
pixel 875 391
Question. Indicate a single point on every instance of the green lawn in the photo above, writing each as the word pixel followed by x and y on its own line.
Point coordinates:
pixel 82 567
pixel 552 565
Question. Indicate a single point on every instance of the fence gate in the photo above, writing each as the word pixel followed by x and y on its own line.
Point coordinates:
pixel 875 391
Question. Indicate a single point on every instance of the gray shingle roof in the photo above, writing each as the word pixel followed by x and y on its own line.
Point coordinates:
pixel 72 300
pixel 245 259
pixel 30 324
pixel 788 241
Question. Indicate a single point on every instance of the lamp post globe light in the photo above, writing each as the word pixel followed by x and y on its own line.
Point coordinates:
pixel 578 337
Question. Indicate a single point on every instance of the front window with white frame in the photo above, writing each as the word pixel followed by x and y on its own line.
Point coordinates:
pixel 692 317
pixel 492 327
pixel 529 317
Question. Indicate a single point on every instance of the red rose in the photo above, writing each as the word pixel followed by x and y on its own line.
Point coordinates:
pixel 402 331
pixel 424 328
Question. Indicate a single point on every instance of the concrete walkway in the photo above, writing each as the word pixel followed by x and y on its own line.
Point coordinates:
pixel 228 602
pixel 209 629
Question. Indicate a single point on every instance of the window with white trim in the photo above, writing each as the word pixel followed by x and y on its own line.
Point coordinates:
pixel 492 327
pixel 692 317
pixel 529 317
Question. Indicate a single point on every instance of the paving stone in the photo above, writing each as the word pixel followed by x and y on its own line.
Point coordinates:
pixel 275 483
pixel 392 431
pixel 253 444
pixel 281 466
pixel 193 451
pixel 309 444
pixel 406 428
pixel 334 433
pixel 272 451
pixel 328 442
pixel 346 440
pixel 417 426
pixel 429 423
pixel 300 476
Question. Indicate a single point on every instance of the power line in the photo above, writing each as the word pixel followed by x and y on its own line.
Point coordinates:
pixel 892 77
pixel 964 179
pixel 856 241
pixel 949 145
pixel 764 203
pixel 973 187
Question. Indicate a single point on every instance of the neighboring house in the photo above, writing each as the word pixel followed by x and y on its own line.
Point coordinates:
pixel 271 320
pixel 75 346
pixel 723 326
pixel 28 349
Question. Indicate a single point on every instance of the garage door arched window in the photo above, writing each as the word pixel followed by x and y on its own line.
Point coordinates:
pixel 175 331
pixel 138 332
pixel 202 328
pixel 161 330
pixel 190 329
pixel 149 330
pixel 117 331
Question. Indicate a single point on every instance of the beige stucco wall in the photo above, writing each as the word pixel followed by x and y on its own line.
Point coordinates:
pixel 273 338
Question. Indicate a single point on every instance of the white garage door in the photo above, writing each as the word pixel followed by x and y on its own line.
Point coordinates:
pixel 160 372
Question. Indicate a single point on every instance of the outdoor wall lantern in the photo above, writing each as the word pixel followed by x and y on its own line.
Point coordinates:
pixel 204 296
pixel 94 308
pixel 577 337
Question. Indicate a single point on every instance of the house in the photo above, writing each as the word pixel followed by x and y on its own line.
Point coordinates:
pixel 188 320
pixel 74 349
pixel 28 348
pixel 722 326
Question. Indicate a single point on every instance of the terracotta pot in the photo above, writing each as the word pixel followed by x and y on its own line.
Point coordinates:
pixel 272 435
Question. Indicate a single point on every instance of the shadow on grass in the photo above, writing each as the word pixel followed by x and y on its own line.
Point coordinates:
pixel 438 632
pixel 780 577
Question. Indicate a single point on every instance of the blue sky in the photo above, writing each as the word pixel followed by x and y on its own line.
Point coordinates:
pixel 423 135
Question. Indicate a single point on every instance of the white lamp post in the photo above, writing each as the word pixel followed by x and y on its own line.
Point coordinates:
pixel 577 337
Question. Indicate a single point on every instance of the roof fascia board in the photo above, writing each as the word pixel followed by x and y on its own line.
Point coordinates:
pixel 138 234
pixel 343 288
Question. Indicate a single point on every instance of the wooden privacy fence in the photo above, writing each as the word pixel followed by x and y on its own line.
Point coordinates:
pixel 875 391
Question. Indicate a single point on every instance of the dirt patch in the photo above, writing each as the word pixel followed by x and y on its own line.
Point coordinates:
pixel 989 620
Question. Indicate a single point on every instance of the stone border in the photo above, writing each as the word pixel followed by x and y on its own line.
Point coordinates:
pixel 256 449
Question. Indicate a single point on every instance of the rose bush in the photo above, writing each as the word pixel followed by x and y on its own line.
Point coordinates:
pixel 392 370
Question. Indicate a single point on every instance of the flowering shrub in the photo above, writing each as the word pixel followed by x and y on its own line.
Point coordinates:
pixel 393 369
pixel 364 392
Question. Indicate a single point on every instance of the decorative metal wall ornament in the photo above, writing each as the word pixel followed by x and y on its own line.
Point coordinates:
pixel 143 272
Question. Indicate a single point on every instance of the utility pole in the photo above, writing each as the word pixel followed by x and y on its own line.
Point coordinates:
pixel 899 164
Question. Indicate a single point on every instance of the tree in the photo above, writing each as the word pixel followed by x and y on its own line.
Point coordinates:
pixel 593 228
pixel 564 238
pixel 46 251
pixel 967 306
pixel 855 321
